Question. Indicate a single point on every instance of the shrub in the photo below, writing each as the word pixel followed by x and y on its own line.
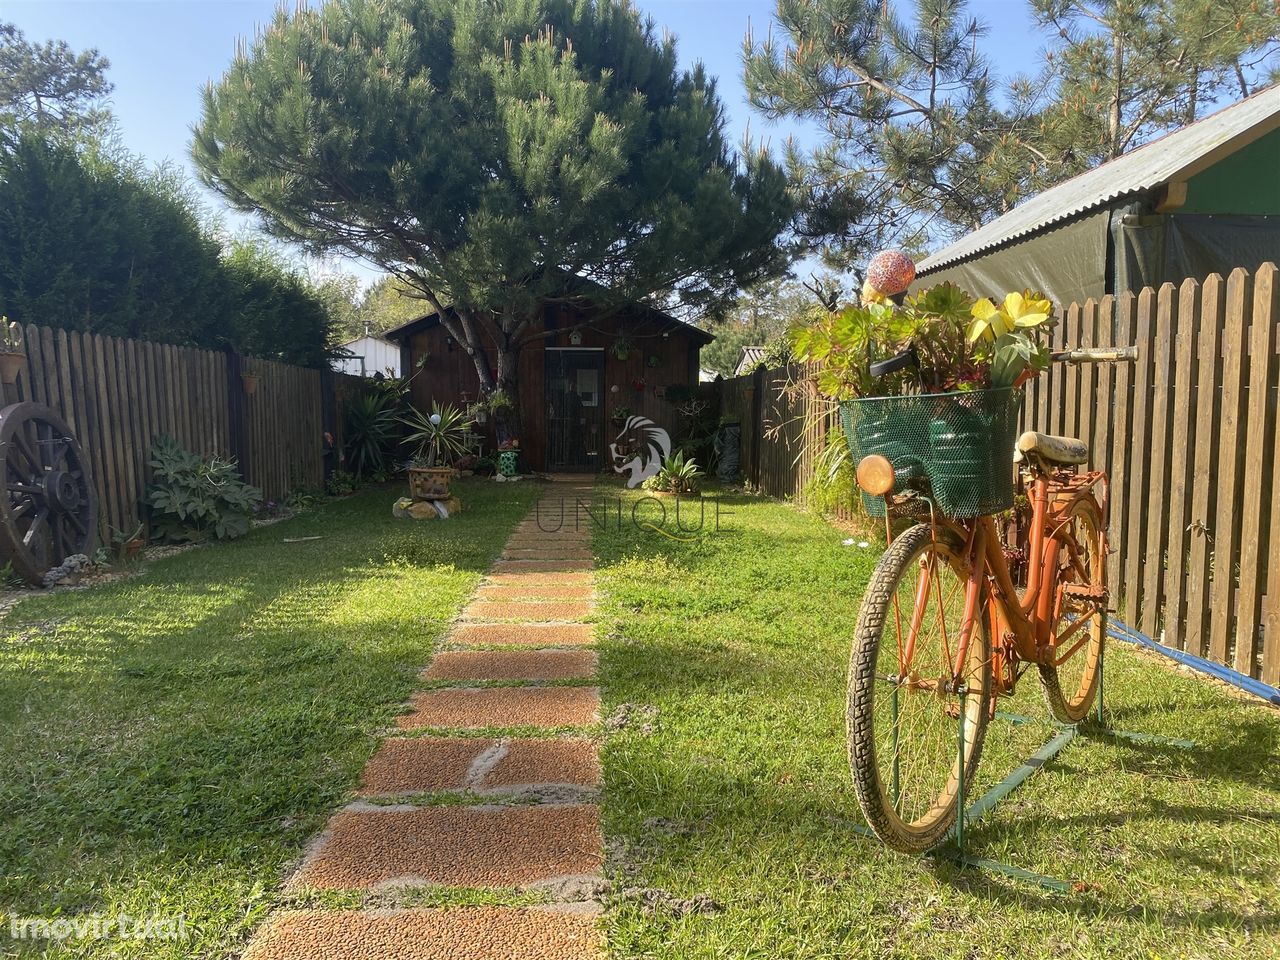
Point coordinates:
pixel 193 498
pixel 371 431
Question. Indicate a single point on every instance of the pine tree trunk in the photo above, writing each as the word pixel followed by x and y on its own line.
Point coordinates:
pixel 507 421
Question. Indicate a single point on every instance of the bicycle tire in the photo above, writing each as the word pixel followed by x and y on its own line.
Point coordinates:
pixel 881 810
pixel 1075 708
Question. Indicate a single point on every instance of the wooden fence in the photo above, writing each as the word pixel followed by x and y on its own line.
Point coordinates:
pixel 1189 435
pixel 117 395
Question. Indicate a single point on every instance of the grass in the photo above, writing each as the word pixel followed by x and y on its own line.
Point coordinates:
pixel 741 792
pixel 171 742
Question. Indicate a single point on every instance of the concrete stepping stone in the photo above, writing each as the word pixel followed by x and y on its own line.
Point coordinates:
pixel 493 707
pixel 534 591
pixel 526 578
pixel 545 611
pixel 546 552
pixel 422 764
pixel 369 848
pixel 523 634
pixel 417 765
pixel 540 566
pixel 452 933
pixel 511 665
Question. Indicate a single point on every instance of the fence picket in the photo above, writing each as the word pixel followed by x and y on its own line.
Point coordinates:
pixel 1158 465
pixel 1258 455
pixel 1226 528
pixel 1182 421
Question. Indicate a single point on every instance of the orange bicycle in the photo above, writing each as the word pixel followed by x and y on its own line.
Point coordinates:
pixel 959 608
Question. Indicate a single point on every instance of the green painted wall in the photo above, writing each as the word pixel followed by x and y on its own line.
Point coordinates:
pixel 1248 181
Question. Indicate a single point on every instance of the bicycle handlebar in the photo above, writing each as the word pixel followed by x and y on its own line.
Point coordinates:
pixel 1097 355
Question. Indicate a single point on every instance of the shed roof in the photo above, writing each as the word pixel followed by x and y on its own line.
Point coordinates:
pixel 750 356
pixel 1172 158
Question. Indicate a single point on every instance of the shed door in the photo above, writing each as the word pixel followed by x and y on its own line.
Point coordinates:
pixel 575 409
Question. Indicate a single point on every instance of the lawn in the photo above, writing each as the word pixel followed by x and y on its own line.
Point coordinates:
pixel 171 742
pixel 730 816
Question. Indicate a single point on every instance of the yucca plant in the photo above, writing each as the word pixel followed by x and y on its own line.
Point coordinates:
pixel 439 439
pixel 371 424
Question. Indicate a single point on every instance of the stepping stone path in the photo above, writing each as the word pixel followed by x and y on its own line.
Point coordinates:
pixel 503 725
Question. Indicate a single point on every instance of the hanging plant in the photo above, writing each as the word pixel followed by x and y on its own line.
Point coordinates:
pixel 622 348
pixel 654 360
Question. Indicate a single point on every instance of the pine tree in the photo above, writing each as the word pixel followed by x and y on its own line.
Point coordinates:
pixel 50 86
pixel 1127 70
pixel 486 152
pixel 915 146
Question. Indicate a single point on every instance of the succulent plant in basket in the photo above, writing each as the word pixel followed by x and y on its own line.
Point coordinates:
pixel 929 381
pixel 438 440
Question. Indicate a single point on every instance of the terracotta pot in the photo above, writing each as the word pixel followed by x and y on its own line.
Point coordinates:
pixel 250 383
pixel 430 483
pixel 11 364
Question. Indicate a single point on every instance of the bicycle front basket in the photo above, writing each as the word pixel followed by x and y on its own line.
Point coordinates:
pixel 960 443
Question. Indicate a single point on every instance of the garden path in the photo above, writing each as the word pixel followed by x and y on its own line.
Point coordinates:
pixel 491 783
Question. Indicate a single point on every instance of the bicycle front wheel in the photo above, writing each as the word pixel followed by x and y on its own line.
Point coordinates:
pixel 904 703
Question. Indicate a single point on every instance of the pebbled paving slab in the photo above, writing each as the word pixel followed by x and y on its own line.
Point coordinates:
pixel 453 933
pixel 529 762
pixel 504 707
pixel 540 566
pixel 422 764
pixel 547 591
pixel 524 578
pixel 523 634
pixel 511 665
pixel 459 846
pixel 539 612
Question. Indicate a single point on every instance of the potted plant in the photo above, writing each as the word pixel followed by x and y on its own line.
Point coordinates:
pixel 622 348
pixel 438 440
pixel 678 477
pixel 620 414
pixel 12 355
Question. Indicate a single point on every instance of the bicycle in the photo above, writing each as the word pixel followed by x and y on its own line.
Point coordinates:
pixel 944 630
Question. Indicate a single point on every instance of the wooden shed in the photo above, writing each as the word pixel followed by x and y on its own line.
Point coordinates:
pixel 595 365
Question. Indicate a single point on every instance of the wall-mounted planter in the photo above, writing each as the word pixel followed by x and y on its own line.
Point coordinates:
pixel 11 364
pixel 250 383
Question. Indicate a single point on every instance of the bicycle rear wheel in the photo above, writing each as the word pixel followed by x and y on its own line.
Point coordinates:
pixel 903 707
pixel 1070 687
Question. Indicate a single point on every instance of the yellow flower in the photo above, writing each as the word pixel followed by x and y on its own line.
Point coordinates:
pixel 991 322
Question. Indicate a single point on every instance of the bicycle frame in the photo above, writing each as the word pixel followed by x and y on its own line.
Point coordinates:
pixel 1022 623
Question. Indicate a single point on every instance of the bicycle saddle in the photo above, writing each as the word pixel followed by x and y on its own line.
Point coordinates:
pixel 1063 451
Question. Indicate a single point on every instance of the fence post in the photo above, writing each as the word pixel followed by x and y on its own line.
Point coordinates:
pixel 237 413
pixel 757 421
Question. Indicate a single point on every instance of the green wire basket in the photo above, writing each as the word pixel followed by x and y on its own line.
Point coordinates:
pixel 956 448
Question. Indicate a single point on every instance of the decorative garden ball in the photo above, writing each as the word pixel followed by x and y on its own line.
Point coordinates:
pixel 435 419
pixel 891 272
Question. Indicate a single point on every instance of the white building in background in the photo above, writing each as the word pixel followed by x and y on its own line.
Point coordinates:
pixel 372 355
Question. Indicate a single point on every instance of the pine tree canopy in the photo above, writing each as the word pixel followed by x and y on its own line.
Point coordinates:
pixel 484 150
pixel 924 139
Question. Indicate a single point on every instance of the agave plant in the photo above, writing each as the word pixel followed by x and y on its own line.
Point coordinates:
pixel 678 475
pixel 440 438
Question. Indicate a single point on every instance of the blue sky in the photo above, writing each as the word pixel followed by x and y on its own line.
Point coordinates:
pixel 162 52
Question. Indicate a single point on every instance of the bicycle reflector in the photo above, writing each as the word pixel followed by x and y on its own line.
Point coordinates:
pixel 875 475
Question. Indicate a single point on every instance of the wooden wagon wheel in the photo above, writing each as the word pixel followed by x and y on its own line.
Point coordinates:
pixel 47 513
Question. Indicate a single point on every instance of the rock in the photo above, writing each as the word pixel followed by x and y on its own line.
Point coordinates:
pixel 400 509
pixel 67 571
pixel 422 510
